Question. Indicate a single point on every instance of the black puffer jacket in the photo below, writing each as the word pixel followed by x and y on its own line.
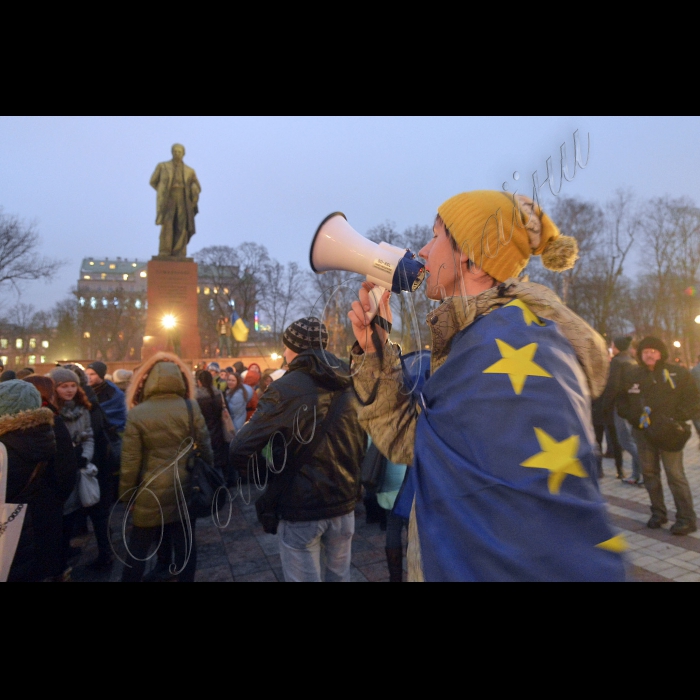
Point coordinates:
pixel 326 481
pixel 668 390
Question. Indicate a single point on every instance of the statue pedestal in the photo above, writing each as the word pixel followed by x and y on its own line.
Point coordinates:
pixel 172 291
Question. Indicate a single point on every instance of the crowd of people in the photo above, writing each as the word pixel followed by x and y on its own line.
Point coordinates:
pixel 492 442
pixel 125 428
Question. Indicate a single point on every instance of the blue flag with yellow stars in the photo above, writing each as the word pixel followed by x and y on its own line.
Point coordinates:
pixel 504 473
pixel 238 328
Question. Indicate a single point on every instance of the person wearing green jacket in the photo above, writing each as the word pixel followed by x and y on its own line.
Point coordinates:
pixel 157 429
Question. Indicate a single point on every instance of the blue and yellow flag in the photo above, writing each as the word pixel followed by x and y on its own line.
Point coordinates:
pixel 504 473
pixel 239 329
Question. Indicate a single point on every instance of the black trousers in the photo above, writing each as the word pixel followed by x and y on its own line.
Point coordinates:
pixel 140 541
pixel 614 444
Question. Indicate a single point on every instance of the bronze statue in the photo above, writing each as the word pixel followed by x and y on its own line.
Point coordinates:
pixel 176 203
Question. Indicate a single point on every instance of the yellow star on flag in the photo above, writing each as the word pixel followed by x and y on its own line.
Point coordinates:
pixel 558 457
pixel 517 364
pixel 528 316
pixel 614 544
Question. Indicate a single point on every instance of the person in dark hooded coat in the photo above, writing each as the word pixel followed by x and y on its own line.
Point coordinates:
pixel 306 423
pixel 26 431
pixel 650 393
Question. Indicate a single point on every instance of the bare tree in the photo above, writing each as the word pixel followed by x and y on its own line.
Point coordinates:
pixel 235 275
pixel 282 294
pixel 18 258
pixel 671 238
pixel 66 342
pixel 115 325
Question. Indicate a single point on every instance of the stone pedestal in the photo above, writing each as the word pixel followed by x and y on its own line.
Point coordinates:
pixel 172 289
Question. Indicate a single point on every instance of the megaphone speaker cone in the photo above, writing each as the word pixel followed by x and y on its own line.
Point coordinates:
pixel 318 230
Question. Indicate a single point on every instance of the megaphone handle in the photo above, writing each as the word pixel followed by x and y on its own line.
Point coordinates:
pixel 375 296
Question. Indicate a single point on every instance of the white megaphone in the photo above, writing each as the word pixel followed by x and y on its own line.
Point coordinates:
pixel 337 246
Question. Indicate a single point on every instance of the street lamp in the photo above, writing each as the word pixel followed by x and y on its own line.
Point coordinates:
pixel 697 319
pixel 676 343
pixel 169 322
pixel 275 356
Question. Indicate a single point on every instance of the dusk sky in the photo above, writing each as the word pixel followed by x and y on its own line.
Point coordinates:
pixel 84 181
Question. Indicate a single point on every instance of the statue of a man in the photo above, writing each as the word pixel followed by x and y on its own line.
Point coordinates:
pixel 178 191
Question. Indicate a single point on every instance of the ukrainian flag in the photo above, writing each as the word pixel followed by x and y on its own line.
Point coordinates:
pixel 239 329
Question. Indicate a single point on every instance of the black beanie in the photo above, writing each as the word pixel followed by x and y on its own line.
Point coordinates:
pixel 651 342
pixel 622 342
pixel 304 334
pixel 99 367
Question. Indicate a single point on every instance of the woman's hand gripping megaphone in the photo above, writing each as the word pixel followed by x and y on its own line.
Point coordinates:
pixel 371 312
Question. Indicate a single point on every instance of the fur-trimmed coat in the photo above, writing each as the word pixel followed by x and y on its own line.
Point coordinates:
pixel 29 439
pixel 157 427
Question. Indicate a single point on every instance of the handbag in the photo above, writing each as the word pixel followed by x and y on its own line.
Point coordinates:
pixel 88 486
pixel 227 422
pixel 667 434
pixel 373 469
pixel 662 431
pixel 205 480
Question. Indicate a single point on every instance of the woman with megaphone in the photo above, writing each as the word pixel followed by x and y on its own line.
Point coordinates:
pixel 501 484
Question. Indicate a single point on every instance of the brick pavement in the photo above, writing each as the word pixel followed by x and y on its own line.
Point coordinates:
pixel 243 552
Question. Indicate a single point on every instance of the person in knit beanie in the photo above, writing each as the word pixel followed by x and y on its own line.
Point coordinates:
pixel 26 434
pixel 504 468
pixel 311 412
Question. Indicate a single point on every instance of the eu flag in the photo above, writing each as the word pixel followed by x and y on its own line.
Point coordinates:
pixel 504 473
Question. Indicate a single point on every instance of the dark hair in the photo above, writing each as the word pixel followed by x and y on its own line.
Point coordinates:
pixel 204 377
pixel 45 385
pixel 239 385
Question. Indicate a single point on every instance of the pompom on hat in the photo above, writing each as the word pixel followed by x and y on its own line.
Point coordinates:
pixel 499 232
pixel 16 396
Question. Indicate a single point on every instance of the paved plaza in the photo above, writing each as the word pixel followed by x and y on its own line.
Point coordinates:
pixel 241 551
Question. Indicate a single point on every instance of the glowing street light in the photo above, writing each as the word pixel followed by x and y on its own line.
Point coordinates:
pixel 169 321
pixel 697 319
pixel 676 343
pixel 275 356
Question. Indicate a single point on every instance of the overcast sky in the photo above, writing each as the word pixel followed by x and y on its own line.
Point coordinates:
pixel 84 181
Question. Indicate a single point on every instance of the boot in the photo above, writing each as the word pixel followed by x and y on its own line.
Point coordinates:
pixel 620 474
pixel 394 558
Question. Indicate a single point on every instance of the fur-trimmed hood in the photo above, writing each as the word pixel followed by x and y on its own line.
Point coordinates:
pixel 26 419
pixel 164 380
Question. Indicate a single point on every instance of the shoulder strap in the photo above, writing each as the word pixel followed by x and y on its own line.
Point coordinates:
pixel 191 419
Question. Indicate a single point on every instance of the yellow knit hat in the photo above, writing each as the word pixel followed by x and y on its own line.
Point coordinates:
pixel 499 233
